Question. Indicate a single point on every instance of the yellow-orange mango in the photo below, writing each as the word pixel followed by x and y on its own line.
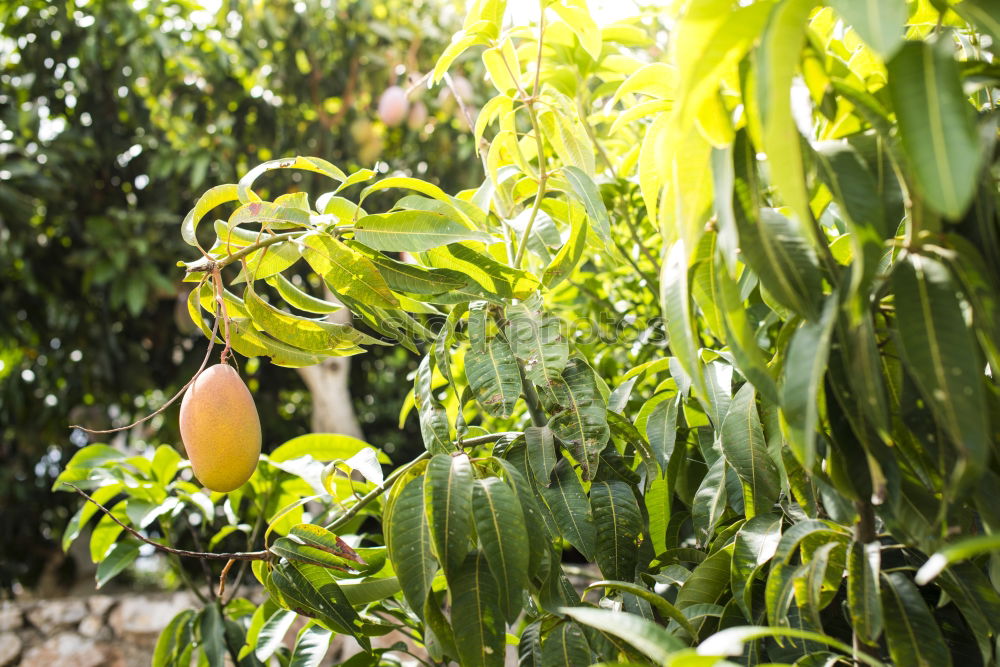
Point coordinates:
pixel 220 428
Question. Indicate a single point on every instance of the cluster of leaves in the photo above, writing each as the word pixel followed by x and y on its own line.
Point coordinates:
pixel 113 116
pixel 807 193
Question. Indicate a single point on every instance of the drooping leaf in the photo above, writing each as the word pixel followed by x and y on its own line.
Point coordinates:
pixel 879 22
pixel 581 423
pixel 448 500
pixel 311 646
pixel 568 503
pixel 347 272
pixel 941 356
pixel 501 529
pixel 496 278
pixel 646 636
pixel 709 500
pixel 675 299
pixel 756 542
pixel 494 377
pixel 541 452
pixel 863 598
pixel 746 451
pixel 936 124
pixel 536 340
pixel 476 615
pixel 588 194
pixel 619 524
pixel 413 231
pixel 433 418
pixel 313 591
pixel 409 544
pixel 566 645
pixel 913 635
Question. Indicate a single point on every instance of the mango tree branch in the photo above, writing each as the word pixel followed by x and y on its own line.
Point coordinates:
pixel 206 555
pixel 206 264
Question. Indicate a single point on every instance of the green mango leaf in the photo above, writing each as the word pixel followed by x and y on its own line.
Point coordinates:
pixel 756 543
pixel 619 524
pixel 541 451
pixel 667 610
pixel 83 515
pixel 409 543
pixel 863 600
pixel 675 299
pixel 313 164
pixel 913 635
pixel 311 646
pixel 941 356
pixel 731 640
pixel 504 537
pixel 448 501
pixel 746 451
pixel 565 645
pixel 298 298
pixel 710 500
pixel 969 547
pixel 568 503
pixel 173 640
pixel 536 340
pixel 272 633
pixel 491 275
pixel 212 640
pixel 360 592
pixel 936 124
pixel 121 556
pixel 805 366
pixel 783 259
pixel 494 377
pixel 586 191
pixel 975 597
pixel 347 272
pixel 661 430
pixel 413 231
pixel 220 194
pixel 314 591
pixel 580 422
pixel 476 615
pixel 409 278
pixel 881 23
pixel 647 637
pixel 433 418
pixel 565 261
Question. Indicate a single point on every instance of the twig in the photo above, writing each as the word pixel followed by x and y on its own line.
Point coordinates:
pixel 204 362
pixel 222 578
pixel 206 555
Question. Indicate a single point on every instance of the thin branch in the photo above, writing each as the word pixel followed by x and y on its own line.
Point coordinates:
pixel 207 264
pixel 204 363
pixel 206 555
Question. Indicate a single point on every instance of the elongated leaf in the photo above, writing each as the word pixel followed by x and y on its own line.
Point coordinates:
pixel 863 591
pixel 913 635
pixel 756 542
pixel 220 194
pixel 313 164
pixel 661 430
pixel 272 633
pixel 619 523
pixel 744 447
pixel 494 377
pixel 646 636
pixel 212 640
pixel 311 646
pixel 433 418
pixel 475 614
pixel 347 272
pixel 501 529
pixel 784 260
pixel 409 544
pixel 568 503
pixel 941 356
pixel 173 640
pixel 536 340
pixel 541 452
pixel 410 278
pixel 805 367
pixel 298 298
pixel 957 552
pixel 588 194
pixel 121 556
pixel 313 591
pixel 448 500
pixel 979 603
pixel 936 124
pixel 730 641
pixel 707 582
pixel 582 422
pixel 879 22
pixel 496 278
pixel 676 303
pixel 709 501
pixel 565 645
pixel 562 265
pixel 777 59
pixel 413 231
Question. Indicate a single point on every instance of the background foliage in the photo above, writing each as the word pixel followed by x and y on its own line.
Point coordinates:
pixel 803 473
pixel 114 116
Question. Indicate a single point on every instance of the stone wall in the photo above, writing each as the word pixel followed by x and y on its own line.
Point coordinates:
pixel 94 631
